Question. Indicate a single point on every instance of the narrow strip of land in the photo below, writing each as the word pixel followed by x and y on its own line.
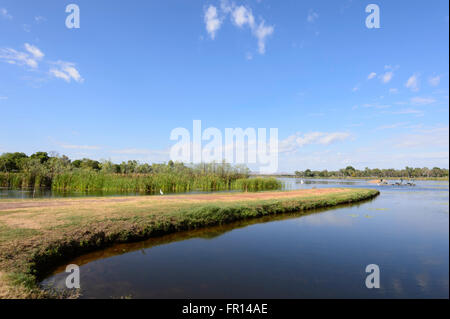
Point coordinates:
pixel 36 235
pixel 27 203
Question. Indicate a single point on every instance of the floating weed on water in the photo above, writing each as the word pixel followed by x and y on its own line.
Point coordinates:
pixel 368 216
pixel 354 215
pixel 378 209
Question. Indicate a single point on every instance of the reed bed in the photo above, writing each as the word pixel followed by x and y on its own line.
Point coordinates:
pixel 88 180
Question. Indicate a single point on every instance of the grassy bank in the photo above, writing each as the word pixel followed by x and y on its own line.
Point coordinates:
pixel 36 235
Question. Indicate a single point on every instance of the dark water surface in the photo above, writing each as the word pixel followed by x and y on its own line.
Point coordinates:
pixel 323 254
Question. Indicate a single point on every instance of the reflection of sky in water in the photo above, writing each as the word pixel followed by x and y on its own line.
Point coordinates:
pixel 323 254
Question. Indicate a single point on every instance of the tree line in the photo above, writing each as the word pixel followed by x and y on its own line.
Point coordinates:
pixel 44 170
pixel 53 163
pixel 350 171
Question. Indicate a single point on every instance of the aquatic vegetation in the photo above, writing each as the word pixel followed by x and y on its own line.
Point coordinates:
pixel 169 182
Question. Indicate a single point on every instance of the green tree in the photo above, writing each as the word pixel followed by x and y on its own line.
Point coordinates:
pixel 41 156
pixel 11 162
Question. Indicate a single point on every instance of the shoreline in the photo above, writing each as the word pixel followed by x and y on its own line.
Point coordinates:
pixel 443 179
pixel 36 239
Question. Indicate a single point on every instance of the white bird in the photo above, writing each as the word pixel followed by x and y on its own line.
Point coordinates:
pixel 161 192
pixel 302 181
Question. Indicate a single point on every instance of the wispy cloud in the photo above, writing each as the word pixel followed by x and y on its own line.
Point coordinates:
pixel 212 21
pixel 39 19
pixel 413 83
pixel 5 14
pixel 434 81
pixel 393 91
pixel 376 105
pixel 371 76
pixel 437 136
pixel 392 126
pixel 422 100
pixel 387 77
pixel 296 141
pixel 79 147
pixel 35 52
pixel 407 112
pixel 261 33
pixel 312 16
pixel 66 71
pixel 241 16
pixel 29 58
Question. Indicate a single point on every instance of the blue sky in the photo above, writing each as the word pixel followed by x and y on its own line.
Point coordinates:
pixel 339 93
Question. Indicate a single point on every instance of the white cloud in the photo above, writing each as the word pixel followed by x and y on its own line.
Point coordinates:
pixel 413 83
pixel 212 21
pixel 376 105
pixel 79 147
pixel 434 81
pixel 294 142
pixel 387 77
pixel 26 27
pixel 5 14
pixel 226 6
pixel 392 126
pixel 40 19
pixel 241 16
pixel 12 56
pixel 312 16
pixel 32 55
pixel 393 91
pixel 261 33
pixel 141 151
pixel 422 100
pixel 34 51
pixel 66 71
pixel 407 112
pixel 371 76
pixel 437 136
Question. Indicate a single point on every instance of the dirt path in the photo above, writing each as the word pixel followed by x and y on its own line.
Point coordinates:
pixel 10 205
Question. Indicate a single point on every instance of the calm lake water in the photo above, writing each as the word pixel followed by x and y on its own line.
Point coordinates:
pixel 323 254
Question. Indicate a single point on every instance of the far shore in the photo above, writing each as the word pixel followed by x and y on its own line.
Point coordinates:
pixel 357 177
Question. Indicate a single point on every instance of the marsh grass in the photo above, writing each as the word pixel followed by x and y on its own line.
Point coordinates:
pixel 89 180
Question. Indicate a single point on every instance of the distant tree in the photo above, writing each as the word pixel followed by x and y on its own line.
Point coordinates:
pixel 77 163
pixel 308 173
pixel 11 162
pixel 41 156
